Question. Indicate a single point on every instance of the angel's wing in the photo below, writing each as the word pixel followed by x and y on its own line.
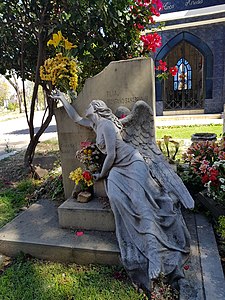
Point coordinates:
pixel 139 131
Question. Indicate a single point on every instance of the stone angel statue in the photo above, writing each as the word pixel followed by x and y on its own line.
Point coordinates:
pixel 144 192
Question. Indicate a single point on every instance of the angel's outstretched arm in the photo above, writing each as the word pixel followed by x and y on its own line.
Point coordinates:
pixel 72 113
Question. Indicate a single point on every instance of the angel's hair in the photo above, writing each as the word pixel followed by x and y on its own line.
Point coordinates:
pixel 105 112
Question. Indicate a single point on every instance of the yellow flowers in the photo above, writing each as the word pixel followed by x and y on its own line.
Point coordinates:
pixel 68 45
pixel 61 70
pixel 82 177
pixel 59 40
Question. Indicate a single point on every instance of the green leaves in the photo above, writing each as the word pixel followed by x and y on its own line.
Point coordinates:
pixel 102 29
pixel 162 76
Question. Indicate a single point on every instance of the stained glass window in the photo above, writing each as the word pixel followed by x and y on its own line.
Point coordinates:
pixel 183 79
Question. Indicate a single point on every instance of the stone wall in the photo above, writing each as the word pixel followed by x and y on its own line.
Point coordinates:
pixel 120 83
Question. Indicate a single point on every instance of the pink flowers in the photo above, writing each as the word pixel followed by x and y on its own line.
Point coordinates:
pixel 213 173
pixel 79 233
pixel 158 4
pixel 143 12
pixel 151 41
pixel 85 144
pixel 162 66
pixel 207 163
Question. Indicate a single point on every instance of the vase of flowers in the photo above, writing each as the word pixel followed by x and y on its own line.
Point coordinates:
pixel 83 184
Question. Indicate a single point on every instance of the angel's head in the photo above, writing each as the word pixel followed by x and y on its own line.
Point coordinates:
pixel 99 108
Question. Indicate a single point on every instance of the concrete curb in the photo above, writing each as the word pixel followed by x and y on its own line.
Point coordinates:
pixel 6 155
pixel 212 272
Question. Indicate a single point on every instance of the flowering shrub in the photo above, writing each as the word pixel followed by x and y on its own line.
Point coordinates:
pixel 214 179
pixel 151 42
pixel 84 178
pixel 143 12
pixel 207 167
pixel 61 70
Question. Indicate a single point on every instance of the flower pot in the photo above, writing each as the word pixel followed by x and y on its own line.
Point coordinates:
pixel 84 197
pixel 200 137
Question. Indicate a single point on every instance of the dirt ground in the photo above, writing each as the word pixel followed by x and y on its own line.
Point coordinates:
pixel 12 169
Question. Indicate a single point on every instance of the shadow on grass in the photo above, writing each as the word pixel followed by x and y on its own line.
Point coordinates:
pixel 31 279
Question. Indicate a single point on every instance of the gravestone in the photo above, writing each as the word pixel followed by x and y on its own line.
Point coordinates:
pixel 121 83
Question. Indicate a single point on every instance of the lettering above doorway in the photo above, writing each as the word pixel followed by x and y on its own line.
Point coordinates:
pixel 178 5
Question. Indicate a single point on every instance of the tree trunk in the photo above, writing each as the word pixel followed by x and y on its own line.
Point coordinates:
pixel 30 151
pixel 17 89
pixel 34 138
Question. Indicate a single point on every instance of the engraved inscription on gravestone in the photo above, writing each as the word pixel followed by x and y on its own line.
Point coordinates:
pixel 113 97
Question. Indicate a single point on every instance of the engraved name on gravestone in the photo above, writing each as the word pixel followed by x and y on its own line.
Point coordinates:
pixel 121 83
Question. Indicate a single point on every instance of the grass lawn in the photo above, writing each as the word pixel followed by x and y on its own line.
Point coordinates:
pixel 185 132
pixel 31 279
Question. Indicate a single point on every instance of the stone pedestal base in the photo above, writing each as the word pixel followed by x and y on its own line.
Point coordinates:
pixel 99 188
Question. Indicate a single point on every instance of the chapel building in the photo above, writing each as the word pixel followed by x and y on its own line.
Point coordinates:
pixel 193 39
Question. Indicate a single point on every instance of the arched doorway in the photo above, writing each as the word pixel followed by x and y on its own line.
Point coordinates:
pixel 194 59
pixel 186 89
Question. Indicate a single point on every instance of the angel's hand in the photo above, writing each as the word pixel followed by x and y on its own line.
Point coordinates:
pixel 96 176
pixel 57 95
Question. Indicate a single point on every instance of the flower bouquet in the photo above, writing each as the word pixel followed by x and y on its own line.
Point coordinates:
pixel 60 71
pixel 83 179
pixel 90 156
pixel 92 159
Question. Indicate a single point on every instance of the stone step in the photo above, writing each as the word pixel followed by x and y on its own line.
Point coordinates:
pixel 37 232
pixel 188 115
pixel 184 120
pixel 93 215
pixel 183 112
